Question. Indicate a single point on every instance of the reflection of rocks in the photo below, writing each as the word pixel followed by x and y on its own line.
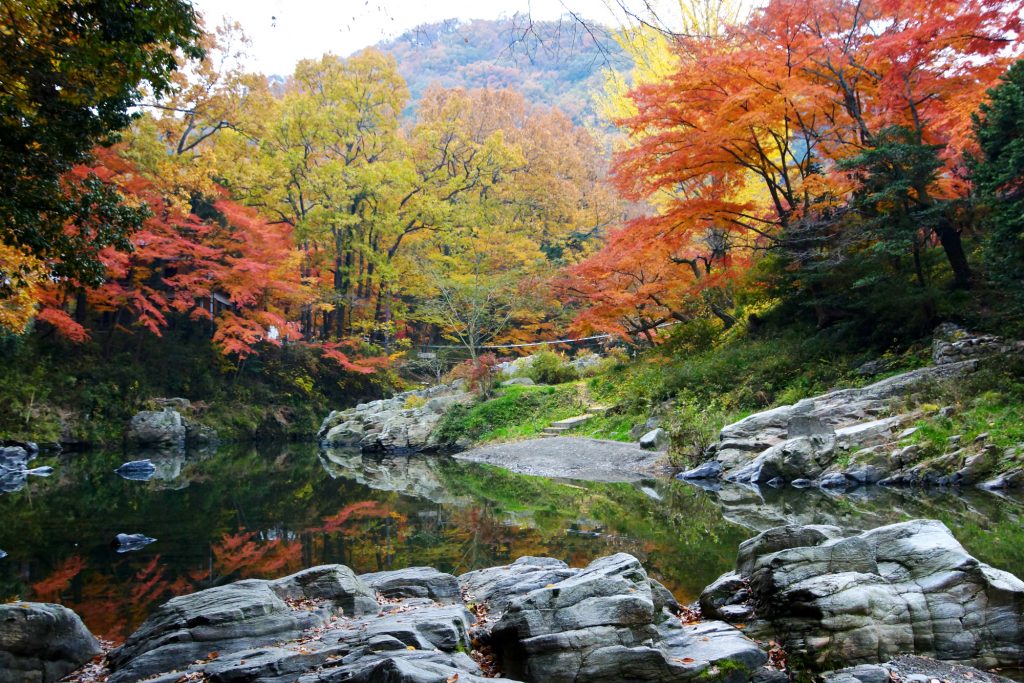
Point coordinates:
pixel 137 470
pixel 903 588
pixel 853 510
pixel 410 475
pixel 126 543
pixel 402 424
pixel 856 437
pixel 14 469
pixel 42 642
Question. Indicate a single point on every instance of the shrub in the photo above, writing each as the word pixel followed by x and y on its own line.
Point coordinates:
pixel 550 368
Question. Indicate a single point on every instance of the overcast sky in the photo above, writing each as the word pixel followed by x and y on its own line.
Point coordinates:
pixel 285 31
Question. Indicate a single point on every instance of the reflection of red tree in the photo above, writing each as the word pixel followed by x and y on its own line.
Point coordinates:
pixel 50 588
pixel 362 510
pixel 239 554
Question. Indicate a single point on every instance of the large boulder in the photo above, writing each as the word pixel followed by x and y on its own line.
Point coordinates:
pixel 156 429
pixel 415 582
pixel 41 642
pixel 239 616
pixel 402 424
pixel 903 588
pixel 600 624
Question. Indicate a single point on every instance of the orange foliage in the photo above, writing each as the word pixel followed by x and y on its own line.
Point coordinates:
pixel 743 140
pixel 50 588
pixel 239 554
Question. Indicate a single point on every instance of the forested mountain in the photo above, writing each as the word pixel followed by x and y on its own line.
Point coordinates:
pixel 553 63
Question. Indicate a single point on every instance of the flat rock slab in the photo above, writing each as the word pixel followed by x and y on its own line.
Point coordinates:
pixel 569 458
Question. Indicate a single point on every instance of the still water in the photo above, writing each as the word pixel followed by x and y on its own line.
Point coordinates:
pixel 265 512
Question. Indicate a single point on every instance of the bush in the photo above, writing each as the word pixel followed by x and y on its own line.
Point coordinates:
pixel 551 368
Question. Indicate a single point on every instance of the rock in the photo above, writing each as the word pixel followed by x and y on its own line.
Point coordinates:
pixel 239 616
pixel 606 622
pixel 3 554
pixel 803 440
pixel 137 470
pixel 156 428
pixel 952 343
pixel 902 588
pixel 43 471
pixel 1013 479
pixel 41 642
pixel 518 382
pixel 415 582
pixel 498 586
pixel 177 403
pixel 655 440
pixel 126 543
pixel 909 668
pixel 801 483
pixel 712 469
pixel 834 481
pixel 599 625
pixel 389 426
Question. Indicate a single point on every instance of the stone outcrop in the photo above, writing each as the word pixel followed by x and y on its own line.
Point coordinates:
pixel 831 599
pixel 240 616
pixel 168 429
pixel 534 620
pixel 40 642
pixel 605 622
pixel 404 423
pixel 855 437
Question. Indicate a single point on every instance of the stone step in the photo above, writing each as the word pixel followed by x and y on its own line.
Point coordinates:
pixel 599 410
pixel 554 431
pixel 571 422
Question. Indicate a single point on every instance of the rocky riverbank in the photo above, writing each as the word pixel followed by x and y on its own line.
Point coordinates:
pixel 862 436
pixel 802 599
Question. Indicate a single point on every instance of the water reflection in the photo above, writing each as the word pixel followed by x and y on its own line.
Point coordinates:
pixel 265 512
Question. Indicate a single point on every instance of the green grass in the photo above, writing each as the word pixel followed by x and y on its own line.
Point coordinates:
pixel 517 412
pixel 991 401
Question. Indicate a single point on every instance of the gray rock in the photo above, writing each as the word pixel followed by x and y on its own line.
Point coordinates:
pixel 41 642
pixel 415 582
pixel 239 616
pixel 599 625
pixel 156 428
pixel 655 440
pixel 518 382
pixel 834 481
pixel 712 469
pixel 498 586
pixel 389 426
pixel 906 587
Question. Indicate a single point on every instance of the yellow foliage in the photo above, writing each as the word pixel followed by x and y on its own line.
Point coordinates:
pixel 18 300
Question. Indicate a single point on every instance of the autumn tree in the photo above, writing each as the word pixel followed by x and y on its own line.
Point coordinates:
pixel 60 99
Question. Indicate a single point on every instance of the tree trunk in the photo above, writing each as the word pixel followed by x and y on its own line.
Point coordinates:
pixel 949 237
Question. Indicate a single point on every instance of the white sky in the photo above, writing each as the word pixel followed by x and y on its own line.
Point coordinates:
pixel 285 31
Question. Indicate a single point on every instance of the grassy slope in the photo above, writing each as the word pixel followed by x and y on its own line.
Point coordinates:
pixel 699 383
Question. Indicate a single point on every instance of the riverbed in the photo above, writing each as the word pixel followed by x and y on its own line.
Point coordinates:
pixel 240 512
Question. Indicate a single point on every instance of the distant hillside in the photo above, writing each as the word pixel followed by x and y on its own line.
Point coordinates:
pixel 553 63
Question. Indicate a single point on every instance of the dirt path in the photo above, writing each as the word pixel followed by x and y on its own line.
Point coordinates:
pixel 570 458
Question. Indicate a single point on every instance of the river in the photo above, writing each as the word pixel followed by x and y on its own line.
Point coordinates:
pixel 264 512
